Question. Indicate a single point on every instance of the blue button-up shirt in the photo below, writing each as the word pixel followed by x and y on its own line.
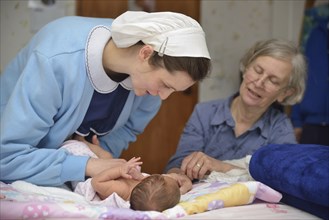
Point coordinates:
pixel 210 129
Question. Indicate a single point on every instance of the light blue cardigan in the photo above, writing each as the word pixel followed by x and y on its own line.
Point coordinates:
pixel 45 94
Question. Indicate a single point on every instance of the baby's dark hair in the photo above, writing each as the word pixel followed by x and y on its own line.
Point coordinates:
pixel 154 194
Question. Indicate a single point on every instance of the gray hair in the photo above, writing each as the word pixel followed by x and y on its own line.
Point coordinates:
pixel 286 51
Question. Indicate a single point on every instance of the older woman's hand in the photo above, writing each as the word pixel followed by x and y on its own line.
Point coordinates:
pixel 198 164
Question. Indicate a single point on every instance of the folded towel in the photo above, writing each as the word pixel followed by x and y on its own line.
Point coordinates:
pixel 299 171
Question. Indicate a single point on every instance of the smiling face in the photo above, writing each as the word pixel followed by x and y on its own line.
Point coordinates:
pixel 265 81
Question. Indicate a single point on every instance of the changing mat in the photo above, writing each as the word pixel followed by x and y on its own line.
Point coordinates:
pixel 24 200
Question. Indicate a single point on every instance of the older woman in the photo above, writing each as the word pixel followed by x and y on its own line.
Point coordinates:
pixel 274 72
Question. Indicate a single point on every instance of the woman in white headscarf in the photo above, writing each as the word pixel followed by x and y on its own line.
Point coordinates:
pixel 101 79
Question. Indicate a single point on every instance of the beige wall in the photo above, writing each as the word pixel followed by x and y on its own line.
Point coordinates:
pixel 231 26
pixel 19 21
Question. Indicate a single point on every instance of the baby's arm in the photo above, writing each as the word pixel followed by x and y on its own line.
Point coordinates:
pixel 107 182
pixel 184 183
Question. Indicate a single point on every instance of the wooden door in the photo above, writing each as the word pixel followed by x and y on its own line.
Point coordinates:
pixel 101 8
pixel 160 138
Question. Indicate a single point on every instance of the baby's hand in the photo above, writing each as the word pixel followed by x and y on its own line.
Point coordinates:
pixel 184 183
pixel 136 174
pixel 128 170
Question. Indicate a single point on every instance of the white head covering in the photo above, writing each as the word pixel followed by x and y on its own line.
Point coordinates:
pixel 169 33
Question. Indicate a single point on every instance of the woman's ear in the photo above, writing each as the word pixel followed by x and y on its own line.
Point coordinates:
pixel 286 93
pixel 145 52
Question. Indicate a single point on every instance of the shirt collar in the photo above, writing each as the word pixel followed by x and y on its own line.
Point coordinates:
pixel 260 124
pixel 97 40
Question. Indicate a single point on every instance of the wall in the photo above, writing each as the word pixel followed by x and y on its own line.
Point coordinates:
pixel 231 27
pixel 19 21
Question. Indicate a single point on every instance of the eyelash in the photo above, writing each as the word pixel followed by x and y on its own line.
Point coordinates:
pixel 166 86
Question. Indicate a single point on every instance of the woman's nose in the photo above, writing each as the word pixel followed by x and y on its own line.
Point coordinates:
pixel 165 93
pixel 260 82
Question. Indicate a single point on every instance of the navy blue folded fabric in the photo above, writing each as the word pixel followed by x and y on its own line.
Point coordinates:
pixel 299 171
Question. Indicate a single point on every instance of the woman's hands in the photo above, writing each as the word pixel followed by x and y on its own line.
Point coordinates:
pixel 198 164
pixel 104 161
pixel 97 165
pixel 128 170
